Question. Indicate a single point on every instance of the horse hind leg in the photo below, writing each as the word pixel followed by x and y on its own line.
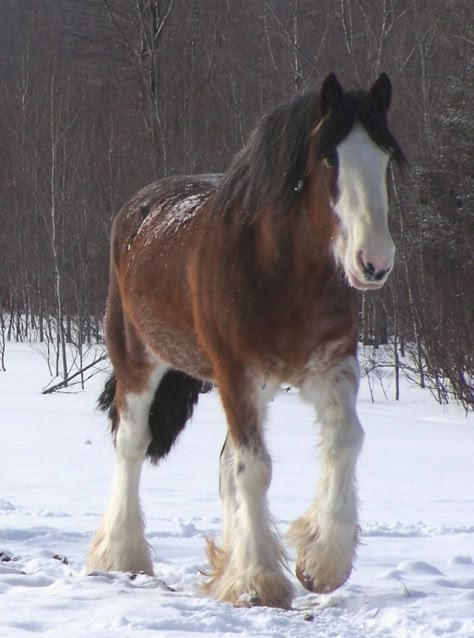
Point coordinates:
pixel 120 544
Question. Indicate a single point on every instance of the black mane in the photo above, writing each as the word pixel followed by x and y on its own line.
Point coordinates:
pixel 266 174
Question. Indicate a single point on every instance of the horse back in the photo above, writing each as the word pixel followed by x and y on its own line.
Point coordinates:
pixel 156 213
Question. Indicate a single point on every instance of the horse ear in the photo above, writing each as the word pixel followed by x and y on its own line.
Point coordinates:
pixel 381 92
pixel 331 94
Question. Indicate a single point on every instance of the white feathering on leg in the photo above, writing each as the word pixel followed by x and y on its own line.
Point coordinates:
pixel 326 536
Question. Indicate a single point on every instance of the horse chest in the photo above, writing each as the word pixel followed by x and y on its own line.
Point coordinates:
pixel 282 333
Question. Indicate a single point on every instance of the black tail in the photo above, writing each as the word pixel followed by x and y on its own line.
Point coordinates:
pixel 172 406
pixel 106 402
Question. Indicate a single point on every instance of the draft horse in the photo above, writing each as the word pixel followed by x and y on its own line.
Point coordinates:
pixel 247 280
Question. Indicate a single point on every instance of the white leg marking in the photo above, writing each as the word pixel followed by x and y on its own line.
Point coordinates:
pixel 120 543
pixel 252 560
pixel 228 492
pixel 326 536
pixel 227 483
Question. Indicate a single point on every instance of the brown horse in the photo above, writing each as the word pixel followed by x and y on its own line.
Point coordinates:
pixel 248 280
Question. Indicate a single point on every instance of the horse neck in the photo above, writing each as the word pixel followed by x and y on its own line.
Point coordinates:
pixel 293 249
pixel 307 229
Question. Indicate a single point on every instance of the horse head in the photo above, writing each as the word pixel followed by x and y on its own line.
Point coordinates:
pixel 353 146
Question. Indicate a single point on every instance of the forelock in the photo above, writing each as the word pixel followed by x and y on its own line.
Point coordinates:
pixel 356 107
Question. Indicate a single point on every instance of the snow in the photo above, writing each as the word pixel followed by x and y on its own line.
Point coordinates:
pixel 171 214
pixel 414 575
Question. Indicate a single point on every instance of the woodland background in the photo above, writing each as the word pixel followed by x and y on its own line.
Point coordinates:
pixel 100 97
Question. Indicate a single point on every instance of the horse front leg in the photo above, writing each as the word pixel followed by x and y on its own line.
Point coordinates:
pixel 249 568
pixel 326 536
pixel 227 491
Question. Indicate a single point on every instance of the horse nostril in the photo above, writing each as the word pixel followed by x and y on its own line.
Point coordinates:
pixel 369 270
pixel 380 274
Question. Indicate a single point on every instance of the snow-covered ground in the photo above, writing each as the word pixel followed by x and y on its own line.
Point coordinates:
pixel 414 575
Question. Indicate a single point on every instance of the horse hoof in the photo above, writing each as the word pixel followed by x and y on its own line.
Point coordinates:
pixel 314 586
pixel 305 579
pixel 248 600
pixel 254 600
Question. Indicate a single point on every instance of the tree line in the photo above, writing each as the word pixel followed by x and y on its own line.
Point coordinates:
pixel 100 97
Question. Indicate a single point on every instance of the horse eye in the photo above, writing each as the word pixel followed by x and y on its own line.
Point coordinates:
pixel 331 159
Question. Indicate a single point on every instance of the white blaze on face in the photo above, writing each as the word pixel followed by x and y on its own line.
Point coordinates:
pixel 365 248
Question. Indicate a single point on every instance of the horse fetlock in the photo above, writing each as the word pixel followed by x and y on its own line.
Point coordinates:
pixel 245 586
pixel 112 554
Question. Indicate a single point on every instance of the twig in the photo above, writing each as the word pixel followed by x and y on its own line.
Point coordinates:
pixel 403 585
pixel 65 382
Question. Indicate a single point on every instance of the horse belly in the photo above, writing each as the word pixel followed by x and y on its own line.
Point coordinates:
pixel 179 349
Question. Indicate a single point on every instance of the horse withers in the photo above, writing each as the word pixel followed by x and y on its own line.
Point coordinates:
pixel 247 280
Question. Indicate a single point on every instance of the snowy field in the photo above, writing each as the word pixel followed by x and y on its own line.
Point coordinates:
pixel 414 575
